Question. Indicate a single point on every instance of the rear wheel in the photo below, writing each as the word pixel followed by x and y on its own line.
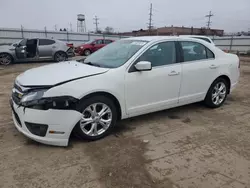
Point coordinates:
pixel 217 93
pixel 5 59
pixel 60 56
pixel 87 52
pixel 99 117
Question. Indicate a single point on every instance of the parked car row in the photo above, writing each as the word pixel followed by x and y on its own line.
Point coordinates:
pixel 35 49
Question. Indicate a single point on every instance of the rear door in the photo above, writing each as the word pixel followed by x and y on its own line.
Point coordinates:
pixel 199 70
pixel 45 48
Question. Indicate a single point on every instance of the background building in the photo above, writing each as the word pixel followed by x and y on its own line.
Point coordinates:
pixel 176 31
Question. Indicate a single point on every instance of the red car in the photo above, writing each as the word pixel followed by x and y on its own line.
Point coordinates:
pixel 92 46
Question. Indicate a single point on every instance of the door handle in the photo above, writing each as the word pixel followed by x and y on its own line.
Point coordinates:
pixel 173 73
pixel 213 66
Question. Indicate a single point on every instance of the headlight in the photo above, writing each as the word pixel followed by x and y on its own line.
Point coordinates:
pixel 35 95
pixel 36 100
pixel 81 47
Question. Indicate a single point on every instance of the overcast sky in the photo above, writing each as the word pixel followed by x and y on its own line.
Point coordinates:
pixel 125 15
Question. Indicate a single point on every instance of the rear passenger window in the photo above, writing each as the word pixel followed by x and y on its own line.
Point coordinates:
pixel 193 51
pixel 107 41
pixel 43 42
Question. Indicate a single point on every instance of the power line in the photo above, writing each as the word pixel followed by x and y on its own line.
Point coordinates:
pixel 209 19
pixel 96 23
pixel 150 24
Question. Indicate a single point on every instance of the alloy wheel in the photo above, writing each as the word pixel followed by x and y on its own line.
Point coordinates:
pixel 87 52
pixel 96 119
pixel 60 56
pixel 219 93
pixel 5 59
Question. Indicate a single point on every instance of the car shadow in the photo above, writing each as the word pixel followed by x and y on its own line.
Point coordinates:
pixel 131 123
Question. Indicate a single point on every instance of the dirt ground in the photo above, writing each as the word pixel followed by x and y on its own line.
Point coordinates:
pixel 189 147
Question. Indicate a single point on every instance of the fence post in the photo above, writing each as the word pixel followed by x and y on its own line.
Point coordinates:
pixel 22 31
pixel 67 36
pixel 231 43
pixel 45 31
pixel 88 36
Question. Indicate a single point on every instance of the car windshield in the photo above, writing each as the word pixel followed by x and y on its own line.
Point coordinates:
pixel 89 42
pixel 115 54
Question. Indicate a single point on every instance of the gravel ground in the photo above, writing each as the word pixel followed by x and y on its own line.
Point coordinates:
pixel 190 146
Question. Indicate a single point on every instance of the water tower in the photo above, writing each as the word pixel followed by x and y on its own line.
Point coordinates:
pixel 81 24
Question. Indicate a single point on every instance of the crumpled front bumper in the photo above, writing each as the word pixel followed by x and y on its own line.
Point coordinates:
pixel 61 122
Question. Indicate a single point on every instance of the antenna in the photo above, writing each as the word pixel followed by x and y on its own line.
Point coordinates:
pixel 209 19
pixel 150 26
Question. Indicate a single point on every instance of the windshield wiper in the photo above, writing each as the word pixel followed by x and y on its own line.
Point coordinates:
pixel 92 64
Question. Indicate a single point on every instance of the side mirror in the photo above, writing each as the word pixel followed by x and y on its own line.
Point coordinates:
pixel 92 44
pixel 143 66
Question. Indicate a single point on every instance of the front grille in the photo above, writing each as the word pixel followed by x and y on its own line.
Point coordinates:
pixel 17 118
pixel 37 129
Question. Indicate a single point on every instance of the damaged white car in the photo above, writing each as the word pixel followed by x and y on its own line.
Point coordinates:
pixel 127 78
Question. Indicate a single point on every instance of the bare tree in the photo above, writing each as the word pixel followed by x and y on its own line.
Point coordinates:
pixel 109 30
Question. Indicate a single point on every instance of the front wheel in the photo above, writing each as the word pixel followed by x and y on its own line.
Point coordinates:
pixel 5 59
pixel 60 56
pixel 217 93
pixel 99 117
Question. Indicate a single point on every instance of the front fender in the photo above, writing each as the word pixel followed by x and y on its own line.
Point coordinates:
pixel 97 83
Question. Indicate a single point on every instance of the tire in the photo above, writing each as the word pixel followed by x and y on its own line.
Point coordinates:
pixel 89 121
pixel 86 52
pixel 5 59
pixel 215 102
pixel 60 56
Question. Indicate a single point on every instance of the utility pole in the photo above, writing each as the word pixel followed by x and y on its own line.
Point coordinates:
pixel 96 23
pixel 209 19
pixel 70 25
pixel 150 25
pixel 55 26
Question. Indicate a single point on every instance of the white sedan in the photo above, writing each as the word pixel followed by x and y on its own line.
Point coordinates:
pixel 127 78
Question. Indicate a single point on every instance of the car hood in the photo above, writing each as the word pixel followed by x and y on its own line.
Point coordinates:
pixel 58 73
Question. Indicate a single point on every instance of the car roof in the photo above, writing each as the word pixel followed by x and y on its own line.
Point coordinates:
pixel 157 38
pixel 151 38
pixel 201 36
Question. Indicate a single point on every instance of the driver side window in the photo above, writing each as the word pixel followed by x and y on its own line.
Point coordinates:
pixel 160 54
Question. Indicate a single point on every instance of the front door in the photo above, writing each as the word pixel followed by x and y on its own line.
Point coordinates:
pixel 199 70
pixel 21 49
pixel 148 91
